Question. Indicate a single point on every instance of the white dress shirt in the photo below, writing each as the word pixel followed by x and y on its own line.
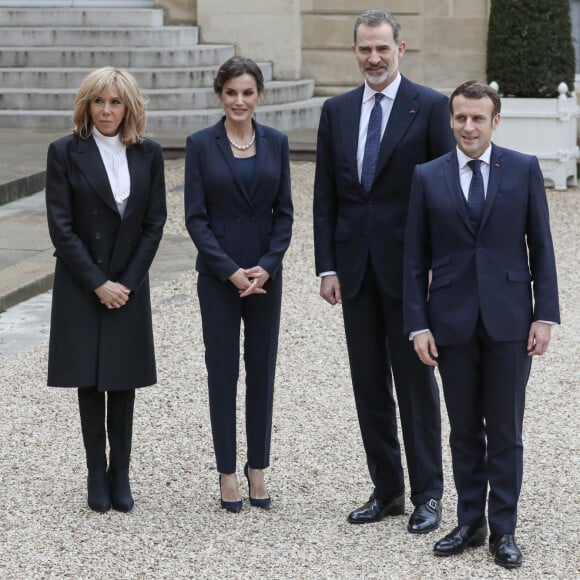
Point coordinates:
pixel 368 102
pixel 114 156
pixel 465 172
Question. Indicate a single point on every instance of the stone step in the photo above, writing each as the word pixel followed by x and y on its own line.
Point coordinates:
pixel 88 17
pixel 276 92
pixel 285 117
pixel 149 78
pixel 166 36
pixel 94 57
pixel 67 4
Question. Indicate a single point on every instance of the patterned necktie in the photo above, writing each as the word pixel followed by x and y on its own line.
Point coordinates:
pixel 476 195
pixel 372 145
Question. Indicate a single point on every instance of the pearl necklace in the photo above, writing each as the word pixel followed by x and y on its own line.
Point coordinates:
pixel 242 147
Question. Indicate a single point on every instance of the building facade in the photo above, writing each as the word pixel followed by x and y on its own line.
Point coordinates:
pixel 446 39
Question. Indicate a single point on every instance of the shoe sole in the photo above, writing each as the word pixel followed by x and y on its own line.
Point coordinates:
pixel 506 564
pixel 393 512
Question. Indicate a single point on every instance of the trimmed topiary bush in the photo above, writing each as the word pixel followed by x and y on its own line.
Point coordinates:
pixel 529 47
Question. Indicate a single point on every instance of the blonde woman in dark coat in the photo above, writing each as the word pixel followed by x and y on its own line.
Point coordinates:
pixel 105 199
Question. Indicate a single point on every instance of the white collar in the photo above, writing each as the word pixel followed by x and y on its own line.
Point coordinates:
pixel 112 143
pixel 463 159
pixel 390 91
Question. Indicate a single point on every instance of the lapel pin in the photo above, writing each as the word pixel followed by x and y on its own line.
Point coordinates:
pixel 411 111
pixel 497 165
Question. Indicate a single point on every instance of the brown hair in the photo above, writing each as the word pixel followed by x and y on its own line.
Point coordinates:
pixel 133 125
pixel 476 90
pixel 234 67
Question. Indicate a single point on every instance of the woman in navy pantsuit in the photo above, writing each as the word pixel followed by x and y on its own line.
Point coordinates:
pixel 238 211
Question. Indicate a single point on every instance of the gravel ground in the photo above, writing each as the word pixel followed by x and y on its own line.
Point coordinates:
pixel 318 469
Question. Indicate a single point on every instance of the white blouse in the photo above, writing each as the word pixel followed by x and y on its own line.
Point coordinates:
pixel 114 156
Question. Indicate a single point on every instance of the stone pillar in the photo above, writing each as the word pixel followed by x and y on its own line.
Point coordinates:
pixel 264 30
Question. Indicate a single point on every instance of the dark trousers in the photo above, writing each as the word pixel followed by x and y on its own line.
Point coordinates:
pixel 484 384
pixel 376 344
pixel 222 312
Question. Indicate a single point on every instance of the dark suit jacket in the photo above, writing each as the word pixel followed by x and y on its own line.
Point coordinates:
pixel 231 227
pixel 89 344
pixel 492 270
pixel 348 224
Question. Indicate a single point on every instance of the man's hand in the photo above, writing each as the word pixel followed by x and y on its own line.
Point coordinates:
pixel 113 294
pixel 330 289
pixel 426 349
pixel 539 338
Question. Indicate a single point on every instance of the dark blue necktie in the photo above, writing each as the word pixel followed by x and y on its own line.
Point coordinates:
pixel 476 194
pixel 372 145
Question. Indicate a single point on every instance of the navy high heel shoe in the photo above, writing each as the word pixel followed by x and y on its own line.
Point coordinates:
pixel 259 503
pixel 231 506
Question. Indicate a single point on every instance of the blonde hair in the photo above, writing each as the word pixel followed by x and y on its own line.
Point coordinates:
pixel 132 127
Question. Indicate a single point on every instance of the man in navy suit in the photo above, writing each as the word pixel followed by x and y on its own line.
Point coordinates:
pixel 478 221
pixel 369 141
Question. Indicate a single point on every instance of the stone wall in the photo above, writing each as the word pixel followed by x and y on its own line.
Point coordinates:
pixel 446 39
pixel 178 11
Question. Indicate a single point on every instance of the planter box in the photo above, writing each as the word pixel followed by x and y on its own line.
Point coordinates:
pixel 546 128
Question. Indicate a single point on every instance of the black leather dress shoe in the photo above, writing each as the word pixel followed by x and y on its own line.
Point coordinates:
pixel 425 518
pixel 460 538
pixel 505 550
pixel 377 509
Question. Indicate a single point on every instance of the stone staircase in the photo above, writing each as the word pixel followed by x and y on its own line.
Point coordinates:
pixel 45 54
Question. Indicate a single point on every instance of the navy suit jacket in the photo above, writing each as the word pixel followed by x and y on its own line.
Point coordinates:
pixel 233 227
pixel 350 225
pixel 493 271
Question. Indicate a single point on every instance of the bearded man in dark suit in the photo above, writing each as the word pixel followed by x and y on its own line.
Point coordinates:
pixel 369 141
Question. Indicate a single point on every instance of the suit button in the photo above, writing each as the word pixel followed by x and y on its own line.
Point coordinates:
pixel 99 260
pixel 254 218
pixel 139 220
pixel 366 233
pixel 238 221
pixel 98 236
pixel 95 212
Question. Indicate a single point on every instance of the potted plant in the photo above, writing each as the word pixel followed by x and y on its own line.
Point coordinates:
pixel 530 60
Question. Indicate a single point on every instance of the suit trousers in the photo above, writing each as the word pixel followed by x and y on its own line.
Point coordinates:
pixel 484 384
pixel 222 312
pixel 376 344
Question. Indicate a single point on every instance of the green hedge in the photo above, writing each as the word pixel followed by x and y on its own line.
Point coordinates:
pixel 529 47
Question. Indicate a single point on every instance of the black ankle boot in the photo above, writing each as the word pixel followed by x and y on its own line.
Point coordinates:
pixel 120 406
pixel 92 413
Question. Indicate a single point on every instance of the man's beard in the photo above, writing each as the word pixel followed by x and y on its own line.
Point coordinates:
pixel 377 77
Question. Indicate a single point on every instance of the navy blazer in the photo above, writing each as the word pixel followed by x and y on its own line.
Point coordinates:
pixel 493 271
pixel 349 224
pixel 233 227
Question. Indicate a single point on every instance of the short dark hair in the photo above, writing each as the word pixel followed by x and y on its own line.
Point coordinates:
pixel 476 90
pixel 234 67
pixel 375 18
